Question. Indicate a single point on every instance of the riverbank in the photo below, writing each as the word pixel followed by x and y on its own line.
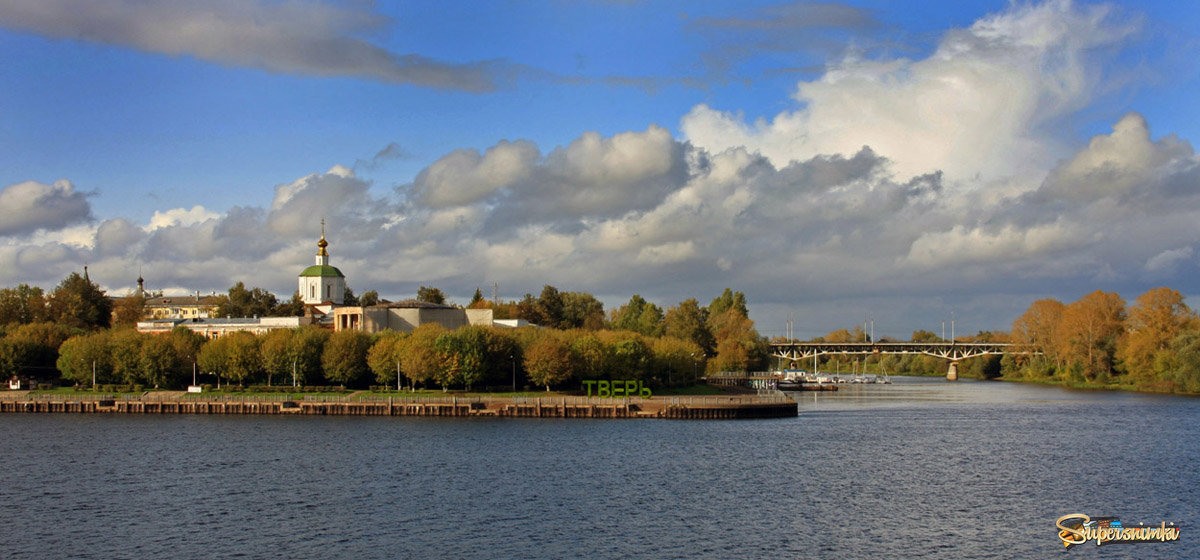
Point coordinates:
pixel 681 407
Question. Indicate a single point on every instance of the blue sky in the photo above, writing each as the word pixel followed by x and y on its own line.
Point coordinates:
pixel 1013 151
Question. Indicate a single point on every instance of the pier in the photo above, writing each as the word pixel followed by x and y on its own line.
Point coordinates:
pixel 681 408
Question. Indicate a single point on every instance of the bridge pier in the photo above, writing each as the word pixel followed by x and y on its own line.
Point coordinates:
pixel 952 373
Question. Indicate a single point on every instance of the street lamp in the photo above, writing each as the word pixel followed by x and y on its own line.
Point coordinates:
pixel 514 368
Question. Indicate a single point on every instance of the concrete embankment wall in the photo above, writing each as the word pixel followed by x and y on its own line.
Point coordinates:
pixel 688 408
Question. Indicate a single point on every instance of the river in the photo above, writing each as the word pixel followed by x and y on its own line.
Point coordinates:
pixel 922 468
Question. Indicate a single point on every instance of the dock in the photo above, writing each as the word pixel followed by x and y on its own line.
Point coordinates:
pixel 679 408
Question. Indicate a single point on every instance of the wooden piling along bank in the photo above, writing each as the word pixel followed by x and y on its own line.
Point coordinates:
pixel 681 408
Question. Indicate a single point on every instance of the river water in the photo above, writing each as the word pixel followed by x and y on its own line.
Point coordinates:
pixel 922 468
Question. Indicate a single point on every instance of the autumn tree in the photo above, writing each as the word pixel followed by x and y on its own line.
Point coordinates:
pixel 739 347
pixel 420 358
pixel 274 347
pixel 22 305
pixel 159 362
pixel 369 298
pixel 1088 332
pixel 548 360
pixel 128 310
pixel 1156 318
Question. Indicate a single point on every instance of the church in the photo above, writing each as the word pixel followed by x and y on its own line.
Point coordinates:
pixel 322 288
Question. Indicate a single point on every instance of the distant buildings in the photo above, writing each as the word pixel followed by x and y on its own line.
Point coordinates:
pixel 322 289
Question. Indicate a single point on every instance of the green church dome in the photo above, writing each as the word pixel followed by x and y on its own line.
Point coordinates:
pixel 322 270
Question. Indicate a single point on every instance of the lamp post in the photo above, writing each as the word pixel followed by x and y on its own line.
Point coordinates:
pixel 513 359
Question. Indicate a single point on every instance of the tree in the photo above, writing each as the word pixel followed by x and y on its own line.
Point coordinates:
pixel 293 307
pixel 431 295
pixel 925 336
pixel 187 344
pixel 462 356
pixel 22 305
pixel 1155 320
pixel 82 355
pixel 529 310
pixel 129 310
pixel 639 316
pixel 548 360
pixel 384 358
pixel 550 307
pixel 675 359
pixel 475 299
pixel 582 310
pixel 77 302
pixel 368 298
pixel 420 360
pixel 214 357
pixel 348 297
pixel 728 299
pixel 244 356
pixel 159 361
pixel 274 347
pixel 590 357
pixel 1088 332
pixel 32 349
pixel 126 345
pixel 345 357
pixel 689 321
pixel 306 349
pixel 739 348
pixel 241 302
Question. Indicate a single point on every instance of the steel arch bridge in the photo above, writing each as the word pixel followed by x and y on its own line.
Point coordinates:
pixel 954 352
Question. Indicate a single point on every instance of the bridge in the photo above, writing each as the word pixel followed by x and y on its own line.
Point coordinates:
pixel 952 351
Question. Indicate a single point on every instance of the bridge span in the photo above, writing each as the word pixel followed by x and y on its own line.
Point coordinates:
pixel 952 351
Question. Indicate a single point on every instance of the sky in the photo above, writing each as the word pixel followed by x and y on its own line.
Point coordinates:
pixel 837 162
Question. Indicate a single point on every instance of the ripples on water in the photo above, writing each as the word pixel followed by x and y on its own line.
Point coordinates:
pixel 921 469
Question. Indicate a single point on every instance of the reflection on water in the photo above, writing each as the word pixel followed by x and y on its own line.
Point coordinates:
pixel 922 468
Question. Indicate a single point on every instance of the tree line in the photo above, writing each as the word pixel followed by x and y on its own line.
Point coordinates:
pixel 77 334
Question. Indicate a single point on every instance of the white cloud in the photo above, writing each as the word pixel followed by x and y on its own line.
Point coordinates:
pixel 180 217
pixel 975 106
pixel 32 206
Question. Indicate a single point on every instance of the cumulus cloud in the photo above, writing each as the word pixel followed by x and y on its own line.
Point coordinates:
pixel 32 206
pixel 302 37
pixel 975 106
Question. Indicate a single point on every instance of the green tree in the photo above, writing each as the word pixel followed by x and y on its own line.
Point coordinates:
pixel 81 355
pixel 245 359
pixel 582 310
pixel 550 307
pixel 187 344
pixel 159 361
pixel 590 356
pixel 431 295
pixel 345 357
pixel 384 358
pixel 126 345
pixel 739 348
pixel 241 302
pixel 925 336
pixel 277 359
pixel 675 360
pixel 475 299
pixel 728 299
pixel 689 321
pixel 77 302
pixel 639 316
pixel 214 357
pixel 368 298
pixel 293 307
pixel 306 351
